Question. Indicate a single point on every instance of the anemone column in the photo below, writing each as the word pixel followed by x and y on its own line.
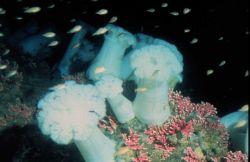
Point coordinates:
pixel 151 105
pixel 97 147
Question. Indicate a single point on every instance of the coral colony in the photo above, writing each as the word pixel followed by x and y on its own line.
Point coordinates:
pixel 159 124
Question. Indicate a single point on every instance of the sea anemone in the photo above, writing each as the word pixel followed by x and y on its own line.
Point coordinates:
pixel 71 114
pixel 154 67
pixel 142 41
pixel 237 125
pixel 109 59
pixel 111 88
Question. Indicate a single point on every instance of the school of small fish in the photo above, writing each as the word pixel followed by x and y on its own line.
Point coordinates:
pixel 107 13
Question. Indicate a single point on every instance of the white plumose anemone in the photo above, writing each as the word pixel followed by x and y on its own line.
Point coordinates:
pixel 71 114
pixel 154 67
pixel 237 125
pixel 111 88
pixel 109 59
pixel 142 41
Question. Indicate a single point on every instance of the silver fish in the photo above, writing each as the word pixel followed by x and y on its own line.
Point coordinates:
pixel 102 12
pixel 151 10
pixel 100 31
pixel 75 29
pixel 2 67
pixel 186 11
pixel 49 34
pixel 11 73
pixel 210 71
pixel 53 43
pixel 113 19
pixel 194 40
pixel 163 5
pixel 32 10
pixel 222 63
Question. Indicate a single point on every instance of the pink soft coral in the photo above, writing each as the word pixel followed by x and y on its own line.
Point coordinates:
pixel 237 156
pixel 132 140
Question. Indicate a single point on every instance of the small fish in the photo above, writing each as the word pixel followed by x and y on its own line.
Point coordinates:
pixel 100 70
pixel 49 34
pixel 1 34
pixel 187 30
pixel 75 29
pixel 174 13
pixel 19 18
pixel 186 11
pixel 11 73
pixel 220 38
pixel 151 10
pixel 102 12
pixel 53 43
pixel 241 123
pixel 244 108
pixel 77 45
pixel 84 12
pixel 141 89
pixel 2 67
pixel 194 40
pixel 2 11
pixel 210 71
pixel 73 20
pixel 156 26
pixel 163 5
pixel 32 10
pixel 222 63
pixel 6 52
pixel 246 73
pixel 51 6
pixel 100 31
pixel 57 87
pixel 113 19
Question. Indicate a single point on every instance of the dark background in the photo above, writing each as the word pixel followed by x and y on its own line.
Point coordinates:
pixel 226 88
